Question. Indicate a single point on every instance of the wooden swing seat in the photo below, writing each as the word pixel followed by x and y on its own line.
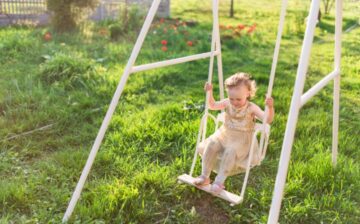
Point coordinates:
pixel 228 196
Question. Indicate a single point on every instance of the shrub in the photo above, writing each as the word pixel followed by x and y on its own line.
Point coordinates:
pixel 116 31
pixel 131 19
pixel 70 70
pixel 68 13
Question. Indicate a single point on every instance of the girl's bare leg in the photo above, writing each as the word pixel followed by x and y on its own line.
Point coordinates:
pixel 210 157
pixel 212 149
pixel 227 162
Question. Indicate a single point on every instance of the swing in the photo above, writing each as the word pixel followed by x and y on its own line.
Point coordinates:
pixel 262 129
pixel 228 196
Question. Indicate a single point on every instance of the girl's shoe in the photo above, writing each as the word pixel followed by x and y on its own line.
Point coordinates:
pixel 202 180
pixel 216 187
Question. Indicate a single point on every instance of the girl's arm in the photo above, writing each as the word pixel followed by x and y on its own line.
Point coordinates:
pixel 215 105
pixel 260 114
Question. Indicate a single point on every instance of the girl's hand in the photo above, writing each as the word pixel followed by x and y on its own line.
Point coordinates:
pixel 269 101
pixel 208 87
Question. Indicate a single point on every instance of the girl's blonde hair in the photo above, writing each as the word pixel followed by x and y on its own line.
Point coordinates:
pixel 239 79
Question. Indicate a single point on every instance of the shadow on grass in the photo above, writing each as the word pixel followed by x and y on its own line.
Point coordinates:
pixel 328 24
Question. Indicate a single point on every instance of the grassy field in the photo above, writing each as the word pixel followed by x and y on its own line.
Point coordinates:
pixel 54 95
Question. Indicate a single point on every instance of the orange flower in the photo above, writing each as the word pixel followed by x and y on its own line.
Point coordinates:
pixel 251 29
pixel 164 42
pixel 47 36
pixel 162 20
pixel 230 27
pixel 190 43
pixel 103 32
pixel 241 26
pixel 164 48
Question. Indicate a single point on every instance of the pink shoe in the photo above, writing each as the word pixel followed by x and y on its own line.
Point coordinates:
pixel 216 188
pixel 202 180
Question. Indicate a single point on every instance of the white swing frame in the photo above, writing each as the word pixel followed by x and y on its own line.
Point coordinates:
pixel 298 98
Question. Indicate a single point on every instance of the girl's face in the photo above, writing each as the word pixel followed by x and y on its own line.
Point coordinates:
pixel 238 95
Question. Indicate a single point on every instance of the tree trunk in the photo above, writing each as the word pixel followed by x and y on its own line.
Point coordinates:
pixel 125 18
pixel 232 9
pixel 328 5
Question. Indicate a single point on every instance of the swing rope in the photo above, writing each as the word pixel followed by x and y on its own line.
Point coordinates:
pixel 272 74
pixel 215 34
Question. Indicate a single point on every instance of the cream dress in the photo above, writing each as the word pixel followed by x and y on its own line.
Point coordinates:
pixel 227 150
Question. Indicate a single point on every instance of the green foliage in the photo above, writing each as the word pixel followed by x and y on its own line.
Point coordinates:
pixel 68 13
pixel 68 83
pixel 300 22
pixel 73 70
pixel 130 20
pixel 16 44
pixel 133 18
pixel 116 31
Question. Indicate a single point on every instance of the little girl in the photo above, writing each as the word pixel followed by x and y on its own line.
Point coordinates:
pixel 233 139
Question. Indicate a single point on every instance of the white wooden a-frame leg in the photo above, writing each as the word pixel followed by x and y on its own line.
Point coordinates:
pixel 109 113
pixel 293 114
pixel 337 60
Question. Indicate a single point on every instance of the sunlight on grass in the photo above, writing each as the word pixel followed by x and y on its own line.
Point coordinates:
pixel 68 83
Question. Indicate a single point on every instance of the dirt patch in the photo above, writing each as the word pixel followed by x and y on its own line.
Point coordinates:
pixel 209 212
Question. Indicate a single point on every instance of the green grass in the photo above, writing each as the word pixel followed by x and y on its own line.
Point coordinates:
pixel 68 83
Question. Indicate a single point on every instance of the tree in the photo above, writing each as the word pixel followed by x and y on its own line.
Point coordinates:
pixel 68 13
pixel 328 5
pixel 232 8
